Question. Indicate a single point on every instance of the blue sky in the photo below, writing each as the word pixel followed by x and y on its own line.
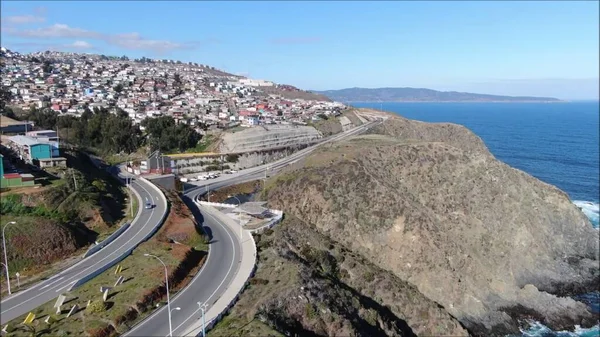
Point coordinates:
pixel 513 48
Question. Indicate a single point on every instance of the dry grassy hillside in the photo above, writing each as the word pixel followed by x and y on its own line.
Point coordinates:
pixel 430 204
pixel 308 285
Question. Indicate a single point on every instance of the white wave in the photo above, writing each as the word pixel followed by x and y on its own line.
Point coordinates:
pixel 590 209
pixel 537 329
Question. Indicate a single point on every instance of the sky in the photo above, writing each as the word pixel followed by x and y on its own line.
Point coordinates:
pixel 533 48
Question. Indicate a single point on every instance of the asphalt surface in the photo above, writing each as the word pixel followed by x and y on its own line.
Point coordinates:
pixel 27 300
pixel 224 254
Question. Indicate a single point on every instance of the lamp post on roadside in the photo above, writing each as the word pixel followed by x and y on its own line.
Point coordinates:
pixel 167 286
pixel 203 308
pixel 239 217
pixel 5 256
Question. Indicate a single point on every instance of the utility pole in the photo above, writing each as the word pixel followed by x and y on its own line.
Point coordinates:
pixel 5 256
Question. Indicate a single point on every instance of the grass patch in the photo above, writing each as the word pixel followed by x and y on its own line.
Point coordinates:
pixel 140 274
pixel 141 290
pixel 202 145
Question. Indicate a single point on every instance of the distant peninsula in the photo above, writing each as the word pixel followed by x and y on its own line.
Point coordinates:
pixel 422 95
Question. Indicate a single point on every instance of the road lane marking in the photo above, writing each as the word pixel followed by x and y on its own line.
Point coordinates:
pixel 161 310
pixel 241 176
pixel 54 281
pixel 64 272
pixel 228 271
pixel 76 275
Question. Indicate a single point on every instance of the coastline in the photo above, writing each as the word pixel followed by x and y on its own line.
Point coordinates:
pixel 503 102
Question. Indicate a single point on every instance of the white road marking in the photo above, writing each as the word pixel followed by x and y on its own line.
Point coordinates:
pixel 93 265
pixel 158 312
pixel 49 284
pixel 220 284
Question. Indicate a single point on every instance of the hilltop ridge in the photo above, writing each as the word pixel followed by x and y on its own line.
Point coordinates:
pixel 422 95
pixel 437 221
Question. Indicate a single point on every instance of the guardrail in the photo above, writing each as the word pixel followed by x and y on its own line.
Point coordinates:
pixel 128 252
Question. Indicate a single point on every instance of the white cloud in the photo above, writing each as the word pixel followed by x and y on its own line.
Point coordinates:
pixel 23 19
pixel 55 31
pixel 132 41
pixel 80 45
pixel 39 16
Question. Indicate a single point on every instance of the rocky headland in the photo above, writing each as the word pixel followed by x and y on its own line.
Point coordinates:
pixel 431 208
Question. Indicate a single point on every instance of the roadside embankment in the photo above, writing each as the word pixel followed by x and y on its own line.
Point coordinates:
pixel 180 243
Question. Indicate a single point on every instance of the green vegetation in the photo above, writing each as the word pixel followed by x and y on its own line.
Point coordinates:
pixel 100 131
pixel 166 136
pixel 56 221
pixel 142 289
pixel 203 145
pixel 13 205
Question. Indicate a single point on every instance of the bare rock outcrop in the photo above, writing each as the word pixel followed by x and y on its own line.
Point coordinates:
pixel 430 204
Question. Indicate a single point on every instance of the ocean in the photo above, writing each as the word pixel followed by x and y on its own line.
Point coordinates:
pixel 557 143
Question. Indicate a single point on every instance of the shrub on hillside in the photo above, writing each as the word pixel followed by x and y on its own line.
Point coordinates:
pixel 106 331
pixel 96 307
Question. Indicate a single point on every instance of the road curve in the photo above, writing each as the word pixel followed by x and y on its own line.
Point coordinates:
pixel 27 300
pixel 224 257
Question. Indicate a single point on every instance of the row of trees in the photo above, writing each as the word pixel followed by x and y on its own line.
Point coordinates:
pixel 109 132
pixel 95 129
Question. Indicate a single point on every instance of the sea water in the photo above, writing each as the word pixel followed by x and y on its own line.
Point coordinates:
pixel 555 142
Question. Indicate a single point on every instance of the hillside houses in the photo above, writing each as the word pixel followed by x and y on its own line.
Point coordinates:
pixel 69 83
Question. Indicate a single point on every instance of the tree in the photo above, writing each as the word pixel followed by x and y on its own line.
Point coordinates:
pixel 5 98
pixel 47 67
pixel 118 88
pixel 165 135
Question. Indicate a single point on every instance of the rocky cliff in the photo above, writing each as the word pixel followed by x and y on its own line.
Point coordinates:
pixel 429 204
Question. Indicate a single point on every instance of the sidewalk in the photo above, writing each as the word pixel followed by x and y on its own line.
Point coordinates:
pixel 229 297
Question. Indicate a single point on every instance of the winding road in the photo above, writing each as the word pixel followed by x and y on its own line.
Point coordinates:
pixel 143 225
pixel 224 255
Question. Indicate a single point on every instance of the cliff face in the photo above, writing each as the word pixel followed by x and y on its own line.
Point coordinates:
pixel 430 204
pixel 309 285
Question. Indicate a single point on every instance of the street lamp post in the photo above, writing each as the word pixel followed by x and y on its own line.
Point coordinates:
pixel 5 256
pixel 203 308
pixel 239 217
pixel 167 286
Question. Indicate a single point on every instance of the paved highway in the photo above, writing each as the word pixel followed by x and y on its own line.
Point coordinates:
pixel 224 255
pixel 25 301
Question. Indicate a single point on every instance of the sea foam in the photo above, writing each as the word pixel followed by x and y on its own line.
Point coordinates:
pixel 591 210
pixel 537 329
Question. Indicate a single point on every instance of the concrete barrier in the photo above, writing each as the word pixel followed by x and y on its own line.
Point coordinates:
pixel 270 224
pixel 216 204
pixel 106 241
pixel 128 252
pixel 100 270
pixel 196 329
